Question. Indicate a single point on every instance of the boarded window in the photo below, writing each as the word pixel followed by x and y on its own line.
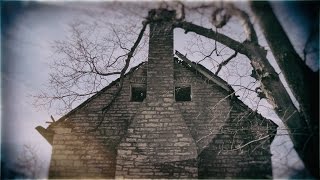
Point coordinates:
pixel 138 93
pixel 183 93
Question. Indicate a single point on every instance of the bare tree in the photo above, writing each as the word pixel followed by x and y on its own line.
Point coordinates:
pixel 86 61
pixel 29 163
pixel 271 86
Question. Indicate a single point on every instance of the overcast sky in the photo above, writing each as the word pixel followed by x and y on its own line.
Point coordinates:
pixel 28 31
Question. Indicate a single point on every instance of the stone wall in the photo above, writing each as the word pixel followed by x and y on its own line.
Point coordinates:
pixel 94 153
pixel 241 149
pixel 210 122
pixel 209 108
pixel 220 124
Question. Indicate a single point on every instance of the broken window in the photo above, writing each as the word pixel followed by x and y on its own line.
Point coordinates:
pixel 138 93
pixel 183 93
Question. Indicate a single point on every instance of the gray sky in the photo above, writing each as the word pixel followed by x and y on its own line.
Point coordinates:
pixel 26 52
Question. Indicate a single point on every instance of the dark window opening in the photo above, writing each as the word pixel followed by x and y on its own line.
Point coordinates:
pixel 183 93
pixel 138 94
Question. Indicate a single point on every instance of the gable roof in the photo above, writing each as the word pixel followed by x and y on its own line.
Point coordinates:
pixel 190 65
pixel 185 61
pixel 97 94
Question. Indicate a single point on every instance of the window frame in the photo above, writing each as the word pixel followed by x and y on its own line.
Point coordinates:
pixel 137 86
pixel 183 86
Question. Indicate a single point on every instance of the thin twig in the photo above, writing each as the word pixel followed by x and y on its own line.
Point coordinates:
pixel 123 71
pixel 225 62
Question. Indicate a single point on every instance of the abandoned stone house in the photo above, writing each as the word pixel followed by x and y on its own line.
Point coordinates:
pixel 172 119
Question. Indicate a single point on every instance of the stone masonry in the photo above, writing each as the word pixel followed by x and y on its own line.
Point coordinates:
pixel 212 136
pixel 158 132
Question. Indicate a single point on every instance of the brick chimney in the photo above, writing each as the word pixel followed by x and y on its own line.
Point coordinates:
pixel 158 137
pixel 160 76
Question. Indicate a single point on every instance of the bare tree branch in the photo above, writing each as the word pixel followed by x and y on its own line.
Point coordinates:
pixel 28 162
pixel 246 22
pixel 225 62
pixel 209 33
pixel 123 71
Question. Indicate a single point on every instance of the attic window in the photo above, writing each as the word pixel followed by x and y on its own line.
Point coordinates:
pixel 182 93
pixel 138 93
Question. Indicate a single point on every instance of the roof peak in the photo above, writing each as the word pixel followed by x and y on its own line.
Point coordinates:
pixel 197 67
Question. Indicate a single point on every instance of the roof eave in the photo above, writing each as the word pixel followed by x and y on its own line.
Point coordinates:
pixel 212 78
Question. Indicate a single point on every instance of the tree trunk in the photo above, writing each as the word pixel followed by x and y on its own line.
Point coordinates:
pixel 303 82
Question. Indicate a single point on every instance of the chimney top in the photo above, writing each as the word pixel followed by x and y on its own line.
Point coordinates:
pixel 161 14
